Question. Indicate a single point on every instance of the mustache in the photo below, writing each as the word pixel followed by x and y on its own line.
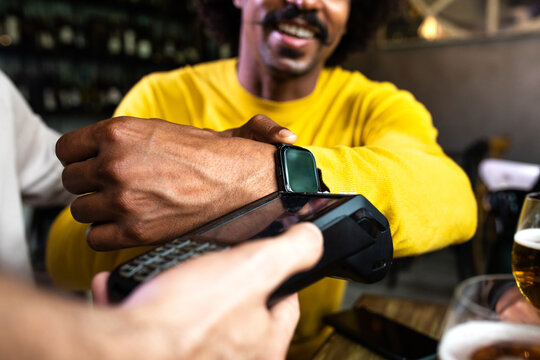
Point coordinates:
pixel 290 12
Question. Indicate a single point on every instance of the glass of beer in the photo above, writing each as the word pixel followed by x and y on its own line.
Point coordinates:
pixel 476 327
pixel 526 250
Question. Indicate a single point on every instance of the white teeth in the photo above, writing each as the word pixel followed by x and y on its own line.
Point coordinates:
pixel 297 31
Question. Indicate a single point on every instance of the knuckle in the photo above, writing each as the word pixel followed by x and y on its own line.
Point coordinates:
pixel 93 241
pixel 121 120
pixel 114 169
pixel 124 201
pixel 259 120
pixel 138 232
pixel 115 130
pixel 260 117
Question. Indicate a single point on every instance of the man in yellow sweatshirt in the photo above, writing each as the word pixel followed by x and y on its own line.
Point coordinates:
pixel 147 180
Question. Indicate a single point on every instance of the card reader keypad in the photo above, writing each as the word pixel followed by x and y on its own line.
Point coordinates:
pixel 148 265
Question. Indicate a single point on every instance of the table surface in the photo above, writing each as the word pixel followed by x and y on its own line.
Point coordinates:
pixel 423 316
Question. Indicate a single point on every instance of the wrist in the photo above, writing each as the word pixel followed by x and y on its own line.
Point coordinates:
pixel 266 164
pixel 252 173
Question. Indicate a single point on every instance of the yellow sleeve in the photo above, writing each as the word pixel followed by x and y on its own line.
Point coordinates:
pixel 401 169
pixel 70 262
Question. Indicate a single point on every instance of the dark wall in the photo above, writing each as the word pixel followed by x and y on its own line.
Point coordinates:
pixel 473 89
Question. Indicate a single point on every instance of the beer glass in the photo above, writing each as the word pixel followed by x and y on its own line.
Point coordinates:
pixel 526 250
pixel 475 330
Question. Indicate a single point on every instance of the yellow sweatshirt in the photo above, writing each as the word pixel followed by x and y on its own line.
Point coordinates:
pixel 367 137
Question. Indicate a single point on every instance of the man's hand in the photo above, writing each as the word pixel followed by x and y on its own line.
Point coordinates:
pixel 513 307
pixel 212 307
pixel 215 306
pixel 145 181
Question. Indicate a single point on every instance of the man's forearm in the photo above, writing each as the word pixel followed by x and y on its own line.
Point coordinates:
pixel 36 325
pixel 182 313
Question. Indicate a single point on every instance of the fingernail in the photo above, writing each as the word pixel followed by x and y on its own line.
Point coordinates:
pixel 286 133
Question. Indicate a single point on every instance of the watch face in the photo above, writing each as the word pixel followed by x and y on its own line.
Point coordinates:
pixel 300 170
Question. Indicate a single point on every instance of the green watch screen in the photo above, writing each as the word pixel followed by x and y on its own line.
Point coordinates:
pixel 301 170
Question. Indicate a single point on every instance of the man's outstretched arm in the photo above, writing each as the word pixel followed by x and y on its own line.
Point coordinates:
pixel 144 181
pixel 210 307
pixel 145 191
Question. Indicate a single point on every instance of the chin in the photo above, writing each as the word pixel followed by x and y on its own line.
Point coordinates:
pixel 286 62
pixel 290 68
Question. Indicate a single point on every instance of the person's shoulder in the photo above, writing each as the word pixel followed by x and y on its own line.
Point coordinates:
pixel 9 93
pixel 216 66
pixel 3 78
pixel 6 85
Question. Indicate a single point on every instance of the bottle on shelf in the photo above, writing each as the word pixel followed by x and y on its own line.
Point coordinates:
pixel 74 56
pixel 12 26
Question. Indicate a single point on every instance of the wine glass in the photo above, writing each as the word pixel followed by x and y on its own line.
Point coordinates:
pixel 526 250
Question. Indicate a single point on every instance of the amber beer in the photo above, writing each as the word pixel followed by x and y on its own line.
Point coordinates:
pixel 506 350
pixel 526 264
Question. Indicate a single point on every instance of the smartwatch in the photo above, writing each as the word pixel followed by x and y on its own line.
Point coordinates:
pixel 296 169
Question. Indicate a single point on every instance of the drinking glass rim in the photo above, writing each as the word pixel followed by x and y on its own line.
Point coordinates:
pixel 533 196
pixel 473 306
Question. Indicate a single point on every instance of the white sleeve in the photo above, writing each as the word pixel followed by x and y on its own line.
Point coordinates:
pixel 39 171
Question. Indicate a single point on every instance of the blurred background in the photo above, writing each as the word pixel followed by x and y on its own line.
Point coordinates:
pixel 475 64
pixel 75 60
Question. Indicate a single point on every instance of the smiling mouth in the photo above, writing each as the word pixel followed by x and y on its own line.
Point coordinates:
pixel 296 30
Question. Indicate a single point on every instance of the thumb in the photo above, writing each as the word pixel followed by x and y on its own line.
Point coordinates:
pixel 262 128
pixel 99 288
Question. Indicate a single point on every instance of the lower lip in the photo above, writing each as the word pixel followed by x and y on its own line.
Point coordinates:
pixel 290 41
